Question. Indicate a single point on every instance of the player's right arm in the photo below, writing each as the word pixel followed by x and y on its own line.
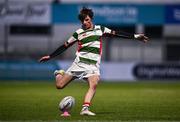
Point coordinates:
pixel 60 49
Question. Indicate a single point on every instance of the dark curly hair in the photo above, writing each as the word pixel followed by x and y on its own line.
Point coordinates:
pixel 84 13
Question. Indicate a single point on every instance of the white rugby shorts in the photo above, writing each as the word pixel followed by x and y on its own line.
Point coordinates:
pixel 82 70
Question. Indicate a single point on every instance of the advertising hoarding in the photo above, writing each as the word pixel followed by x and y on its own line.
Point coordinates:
pixel 25 13
pixel 114 14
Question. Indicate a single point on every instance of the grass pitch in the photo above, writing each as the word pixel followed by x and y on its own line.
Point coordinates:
pixel 141 101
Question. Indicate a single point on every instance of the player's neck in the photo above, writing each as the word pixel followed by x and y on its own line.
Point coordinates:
pixel 90 28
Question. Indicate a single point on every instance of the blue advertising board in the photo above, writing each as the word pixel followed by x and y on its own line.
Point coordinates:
pixel 151 14
pixel 172 14
pixel 64 13
pixel 116 14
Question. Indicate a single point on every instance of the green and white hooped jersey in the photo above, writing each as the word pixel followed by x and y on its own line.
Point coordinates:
pixel 89 44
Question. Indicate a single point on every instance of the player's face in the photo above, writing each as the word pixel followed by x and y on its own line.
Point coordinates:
pixel 87 23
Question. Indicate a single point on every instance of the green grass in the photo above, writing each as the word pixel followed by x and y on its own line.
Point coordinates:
pixel 142 101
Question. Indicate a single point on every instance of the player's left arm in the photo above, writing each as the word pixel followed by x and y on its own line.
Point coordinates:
pixel 140 37
pixel 108 32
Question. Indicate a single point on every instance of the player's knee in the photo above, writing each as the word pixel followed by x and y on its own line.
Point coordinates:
pixel 98 79
pixel 59 85
pixel 96 82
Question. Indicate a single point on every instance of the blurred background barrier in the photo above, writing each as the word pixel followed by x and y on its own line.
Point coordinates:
pixel 33 28
pixel 32 70
pixel 134 71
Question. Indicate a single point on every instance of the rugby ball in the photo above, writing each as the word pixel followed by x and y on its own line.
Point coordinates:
pixel 67 103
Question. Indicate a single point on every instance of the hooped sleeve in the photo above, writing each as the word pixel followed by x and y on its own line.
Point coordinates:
pixel 58 51
pixel 123 34
pixel 108 32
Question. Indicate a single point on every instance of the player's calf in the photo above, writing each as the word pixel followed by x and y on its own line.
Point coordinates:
pixel 62 79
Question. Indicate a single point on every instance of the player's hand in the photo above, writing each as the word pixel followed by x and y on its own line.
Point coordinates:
pixel 141 37
pixel 44 58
